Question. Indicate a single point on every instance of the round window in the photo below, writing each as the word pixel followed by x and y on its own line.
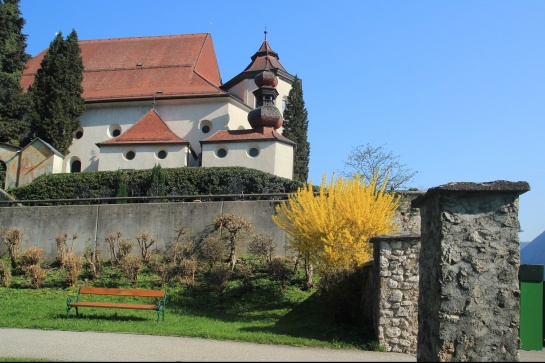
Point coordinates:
pixel 79 133
pixel 162 154
pixel 114 130
pixel 205 126
pixel 253 152
pixel 130 155
pixel 221 153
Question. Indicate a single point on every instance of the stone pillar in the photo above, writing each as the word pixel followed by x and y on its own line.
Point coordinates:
pixel 395 300
pixel 469 294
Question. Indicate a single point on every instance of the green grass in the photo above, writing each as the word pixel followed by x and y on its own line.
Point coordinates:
pixel 267 313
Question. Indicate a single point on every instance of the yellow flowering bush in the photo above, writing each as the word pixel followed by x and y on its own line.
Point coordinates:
pixel 334 226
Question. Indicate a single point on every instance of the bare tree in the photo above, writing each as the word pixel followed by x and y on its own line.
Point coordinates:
pixel 367 161
pixel 236 227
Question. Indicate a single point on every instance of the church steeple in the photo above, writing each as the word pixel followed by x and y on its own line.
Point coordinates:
pixel 266 114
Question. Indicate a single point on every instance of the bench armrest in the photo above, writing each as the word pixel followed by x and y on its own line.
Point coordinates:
pixel 71 297
pixel 161 303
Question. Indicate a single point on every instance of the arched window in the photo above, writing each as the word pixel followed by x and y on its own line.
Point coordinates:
pixel 3 170
pixel 75 167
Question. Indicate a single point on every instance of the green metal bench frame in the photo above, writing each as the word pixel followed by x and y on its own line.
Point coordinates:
pixel 73 301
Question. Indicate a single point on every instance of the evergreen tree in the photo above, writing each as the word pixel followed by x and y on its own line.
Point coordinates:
pixel 158 182
pixel 122 187
pixel 14 104
pixel 56 93
pixel 295 128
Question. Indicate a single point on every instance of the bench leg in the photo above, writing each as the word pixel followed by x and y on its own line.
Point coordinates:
pixel 67 312
pixel 160 312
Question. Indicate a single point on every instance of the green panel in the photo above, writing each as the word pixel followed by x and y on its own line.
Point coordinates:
pixel 531 273
pixel 531 315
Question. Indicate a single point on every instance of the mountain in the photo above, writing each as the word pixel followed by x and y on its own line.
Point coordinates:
pixel 534 252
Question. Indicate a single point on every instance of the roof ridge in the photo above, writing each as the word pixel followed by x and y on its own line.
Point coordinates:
pixel 134 68
pixel 140 37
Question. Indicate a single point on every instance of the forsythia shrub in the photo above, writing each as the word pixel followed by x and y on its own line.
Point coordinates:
pixel 334 226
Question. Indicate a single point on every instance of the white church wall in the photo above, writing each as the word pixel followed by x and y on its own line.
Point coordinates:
pixel 114 157
pixel 273 157
pixel 283 160
pixel 185 118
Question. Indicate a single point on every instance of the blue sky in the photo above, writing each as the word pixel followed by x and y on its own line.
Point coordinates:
pixel 456 89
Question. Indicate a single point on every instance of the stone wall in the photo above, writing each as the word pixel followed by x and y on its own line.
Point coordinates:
pixel 395 292
pixel 469 296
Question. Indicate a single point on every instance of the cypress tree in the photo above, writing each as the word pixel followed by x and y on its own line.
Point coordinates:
pixel 14 104
pixel 157 182
pixel 56 93
pixel 295 128
pixel 122 187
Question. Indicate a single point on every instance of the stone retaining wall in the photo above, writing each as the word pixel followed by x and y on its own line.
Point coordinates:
pixel 395 277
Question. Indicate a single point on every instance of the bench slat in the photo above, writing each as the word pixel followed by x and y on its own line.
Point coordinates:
pixel 121 292
pixel 94 304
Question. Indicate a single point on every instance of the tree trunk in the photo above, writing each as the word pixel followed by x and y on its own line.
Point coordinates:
pixel 309 272
pixel 232 256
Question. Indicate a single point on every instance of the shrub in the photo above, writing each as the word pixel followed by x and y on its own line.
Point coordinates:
pixel 340 292
pixel 121 190
pixel 5 273
pixel 36 275
pixel 245 273
pixel 145 241
pixel 212 250
pixel 12 238
pixel 263 246
pixel 236 227
pixel 32 256
pixel 62 247
pixel 178 181
pixel 118 247
pixel 94 259
pixel 130 266
pixel 157 185
pixel 281 270
pixel 188 268
pixel 73 265
pixel 332 228
pixel 184 246
pixel 159 267
pixel 219 277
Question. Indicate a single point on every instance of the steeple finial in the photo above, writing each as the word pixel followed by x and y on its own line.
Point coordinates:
pixel 265 32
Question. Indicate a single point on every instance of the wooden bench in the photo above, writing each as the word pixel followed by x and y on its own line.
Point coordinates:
pixel 73 301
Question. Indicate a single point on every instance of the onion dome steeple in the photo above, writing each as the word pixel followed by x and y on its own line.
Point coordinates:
pixel 266 114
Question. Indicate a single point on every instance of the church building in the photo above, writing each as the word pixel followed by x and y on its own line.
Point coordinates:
pixel 161 100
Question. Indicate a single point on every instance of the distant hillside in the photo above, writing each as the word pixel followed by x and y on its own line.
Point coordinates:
pixel 534 252
pixel 524 244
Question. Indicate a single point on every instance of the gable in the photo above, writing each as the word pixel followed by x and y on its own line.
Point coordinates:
pixel 150 129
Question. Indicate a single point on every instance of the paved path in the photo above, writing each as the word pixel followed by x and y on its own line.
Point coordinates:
pixel 70 346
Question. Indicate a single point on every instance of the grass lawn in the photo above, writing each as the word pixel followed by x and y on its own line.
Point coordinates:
pixel 261 312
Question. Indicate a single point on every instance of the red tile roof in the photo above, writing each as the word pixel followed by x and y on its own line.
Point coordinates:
pixel 150 129
pixel 264 58
pixel 132 68
pixel 259 134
